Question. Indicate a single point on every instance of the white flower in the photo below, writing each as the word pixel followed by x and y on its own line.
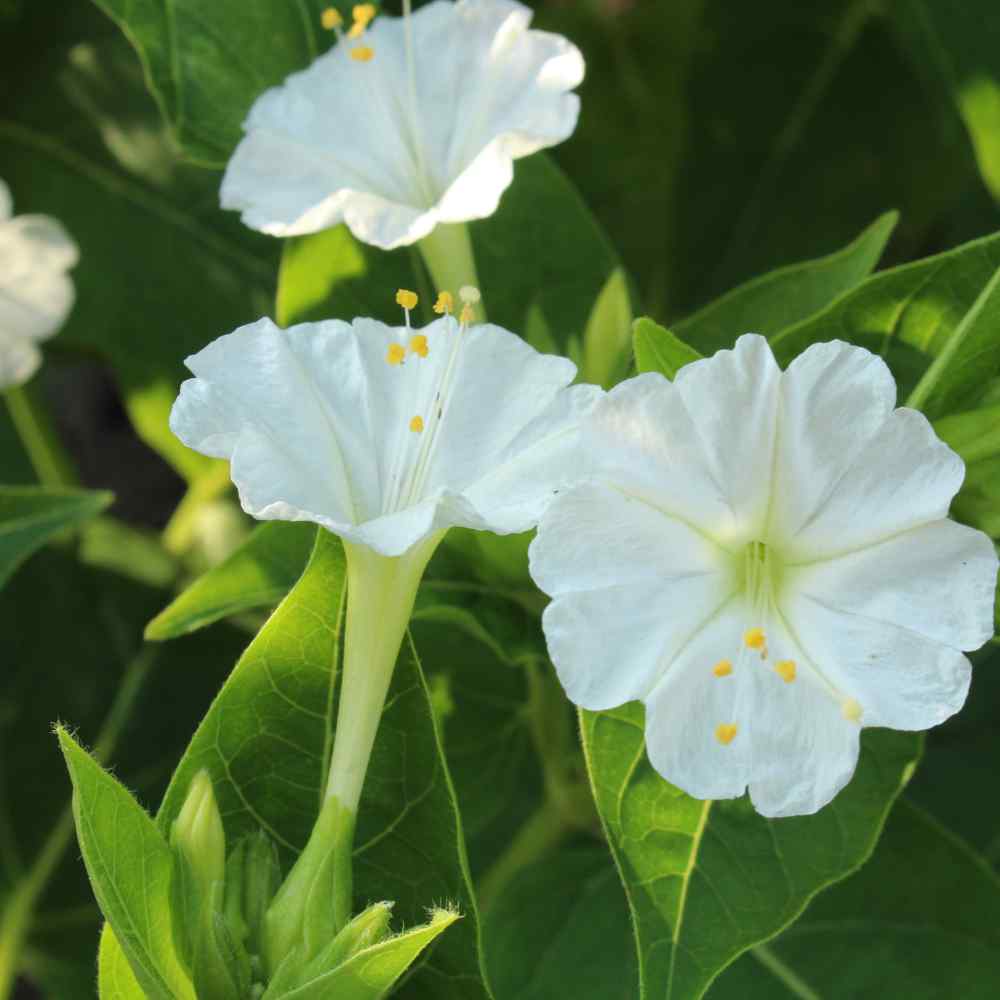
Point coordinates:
pixel 765 560
pixel 422 131
pixel 36 294
pixel 385 436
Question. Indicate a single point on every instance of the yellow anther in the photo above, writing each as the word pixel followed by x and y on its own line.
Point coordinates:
pixel 406 299
pixel 470 294
pixel 851 710
pixel 755 638
pixel 356 31
pixel 364 13
pixel 445 303
pixel 785 669
pixel 363 53
pixel 417 424
pixel 418 345
pixel 467 315
pixel 395 354
pixel 331 19
pixel 725 733
pixel 723 668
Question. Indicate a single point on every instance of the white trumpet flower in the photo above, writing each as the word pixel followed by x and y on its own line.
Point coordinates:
pixel 764 558
pixel 36 293
pixel 407 123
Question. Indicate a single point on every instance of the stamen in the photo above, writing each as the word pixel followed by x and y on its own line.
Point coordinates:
pixel 785 669
pixel 851 710
pixel 755 638
pixel 356 31
pixel 445 303
pixel 467 315
pixel 331 19
pixel 418 345
pixel 723 668
pixel 395 354
pixel 362 53
pixel 417 424
pixel 406 299
pixel 363 13
pixel 470 294
pixel 725 733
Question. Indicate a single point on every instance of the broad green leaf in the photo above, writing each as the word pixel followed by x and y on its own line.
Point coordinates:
pixel 561 929
pixel 606 336
pixel 659 350
pixel 258 574
pixel 706 880
pixel 909 315
pixel 920 920
pixel 975 434
pixel 957 47
pixel 207 63
pixel 768 304
pixel 970 356
pixel 266 741
pixel 115 978
pixel 129 864
pixel 540 253
pixel 162 269
pixel 31 515
pixel 371 973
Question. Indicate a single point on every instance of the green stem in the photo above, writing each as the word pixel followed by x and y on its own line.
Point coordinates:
pixel 38 436
pixel 543 831
pixel 17 917
pixel 447 252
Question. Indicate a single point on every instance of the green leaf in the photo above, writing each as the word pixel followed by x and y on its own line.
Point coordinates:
pixel 659 350
pixel 920 920
pixel 86 144
pixel 129 864
pixel 115 978
pixel 207 63
pixel 266 741
pixel 774 301
pixel 957 47
pixel 908 314
pixel 30 516
pixel 706 880
pixel 561 929
pixel 970 356
pixel 258 574
pixel 606 335
pixel 975 435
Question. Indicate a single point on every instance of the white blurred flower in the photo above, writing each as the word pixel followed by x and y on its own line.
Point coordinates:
pixel 36 293
pixel 385 436
pixel 765 560
pixel 415 124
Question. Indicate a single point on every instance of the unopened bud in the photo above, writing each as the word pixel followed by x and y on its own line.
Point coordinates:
pixel 198 834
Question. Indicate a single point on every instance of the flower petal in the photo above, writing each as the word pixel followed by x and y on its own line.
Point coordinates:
pixel 387 152
pixel 36 295
pixel 900 678
pixel 804 748
pixel 6 202
pixel 732 399
pixel 19 359
pixel 904 476
pixel 937 580
pixel 630 586
pixel 689 704
pixel 834 398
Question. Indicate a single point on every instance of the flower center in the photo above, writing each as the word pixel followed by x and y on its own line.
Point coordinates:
pixel 410 470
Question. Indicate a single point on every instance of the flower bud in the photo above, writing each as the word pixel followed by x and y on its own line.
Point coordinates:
pixel 198 835
pixel 367 928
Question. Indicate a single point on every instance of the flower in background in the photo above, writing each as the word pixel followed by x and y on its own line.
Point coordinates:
pixel 407 123
pixel 36 293
pixel 765 559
